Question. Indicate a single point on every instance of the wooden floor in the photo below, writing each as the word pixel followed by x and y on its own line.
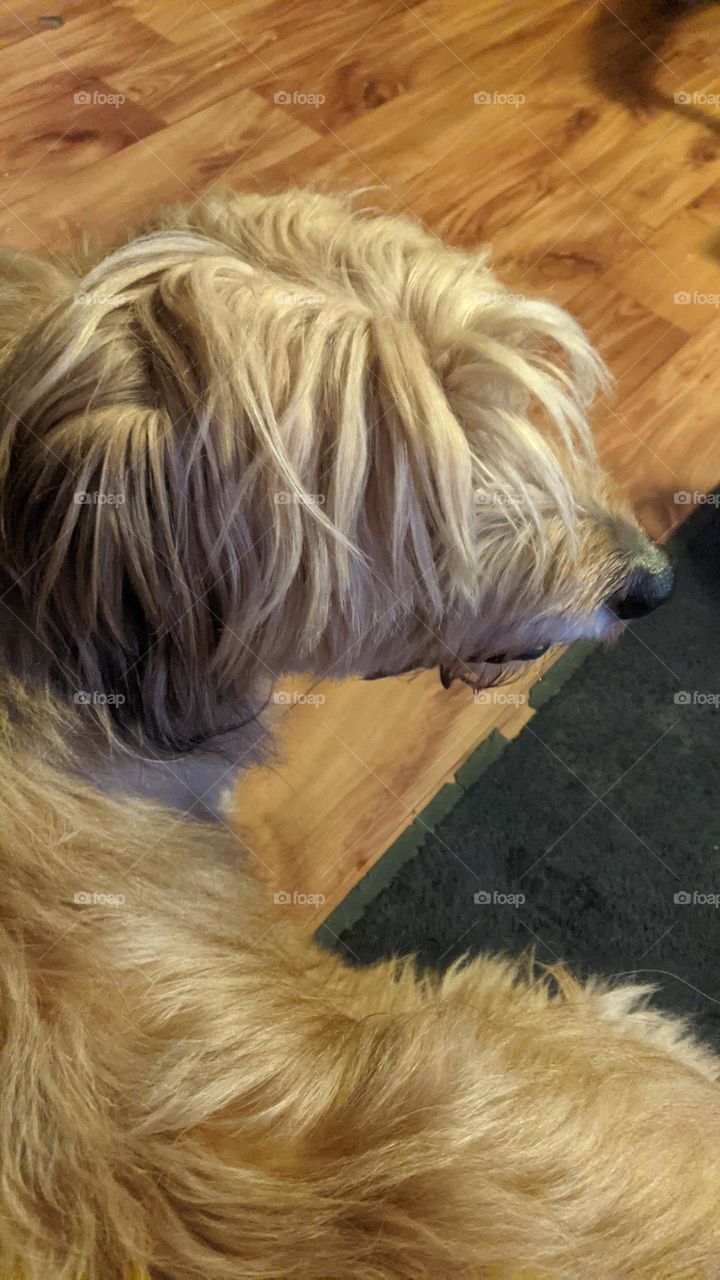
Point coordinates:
pixel 581 138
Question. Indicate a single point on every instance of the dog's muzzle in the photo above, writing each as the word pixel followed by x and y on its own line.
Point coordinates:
pixel 648 576
pixel 650 583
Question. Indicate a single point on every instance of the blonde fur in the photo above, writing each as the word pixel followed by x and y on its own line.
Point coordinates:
pixel 330 444
pixel 187 1085
pixel 194 1088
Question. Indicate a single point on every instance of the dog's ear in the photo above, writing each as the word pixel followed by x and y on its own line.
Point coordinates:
pixel 199 459
pixel 183 462
pixel 127 538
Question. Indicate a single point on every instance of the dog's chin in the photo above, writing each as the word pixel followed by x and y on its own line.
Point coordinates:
pixel 484 672
pixel 602 625
pixel 488 674
pixel 478 672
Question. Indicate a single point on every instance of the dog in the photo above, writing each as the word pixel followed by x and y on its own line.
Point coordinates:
pixel 273 434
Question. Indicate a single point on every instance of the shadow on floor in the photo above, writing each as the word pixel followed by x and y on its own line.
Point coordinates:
pixel 626 44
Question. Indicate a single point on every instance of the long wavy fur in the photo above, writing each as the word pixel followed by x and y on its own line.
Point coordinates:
pixel 190 1087
pixel 305 440
pixel 315 422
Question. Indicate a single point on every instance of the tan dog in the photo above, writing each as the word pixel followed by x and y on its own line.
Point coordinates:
pixel 330 442
pixel 272 436
pixel 189 1087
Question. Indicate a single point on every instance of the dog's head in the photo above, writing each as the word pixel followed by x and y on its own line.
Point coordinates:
pixel 271 435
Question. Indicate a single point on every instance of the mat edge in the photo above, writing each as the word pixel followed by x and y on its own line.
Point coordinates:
pixel 410 842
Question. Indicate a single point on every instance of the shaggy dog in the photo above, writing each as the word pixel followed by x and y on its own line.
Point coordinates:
pixel 269 436
pixel 272 435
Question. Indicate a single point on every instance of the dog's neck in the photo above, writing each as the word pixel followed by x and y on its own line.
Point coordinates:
pixel 198 784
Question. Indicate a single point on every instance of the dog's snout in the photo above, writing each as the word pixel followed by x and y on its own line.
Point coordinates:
pixel 649 584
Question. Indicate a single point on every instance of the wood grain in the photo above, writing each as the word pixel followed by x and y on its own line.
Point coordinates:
pixel 599 184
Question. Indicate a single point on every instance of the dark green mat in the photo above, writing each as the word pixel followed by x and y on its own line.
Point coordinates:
pixel 603 814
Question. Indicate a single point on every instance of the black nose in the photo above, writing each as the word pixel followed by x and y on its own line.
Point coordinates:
pixel 649 584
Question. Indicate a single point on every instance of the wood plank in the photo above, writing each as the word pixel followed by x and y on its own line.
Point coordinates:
pixel 232 140
pixel 663 439
pixel 633 340
pixel 79 123
pixel 684 286
pixel 36 17
pixel 174 82
pixel 347 784
pixel 83 52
